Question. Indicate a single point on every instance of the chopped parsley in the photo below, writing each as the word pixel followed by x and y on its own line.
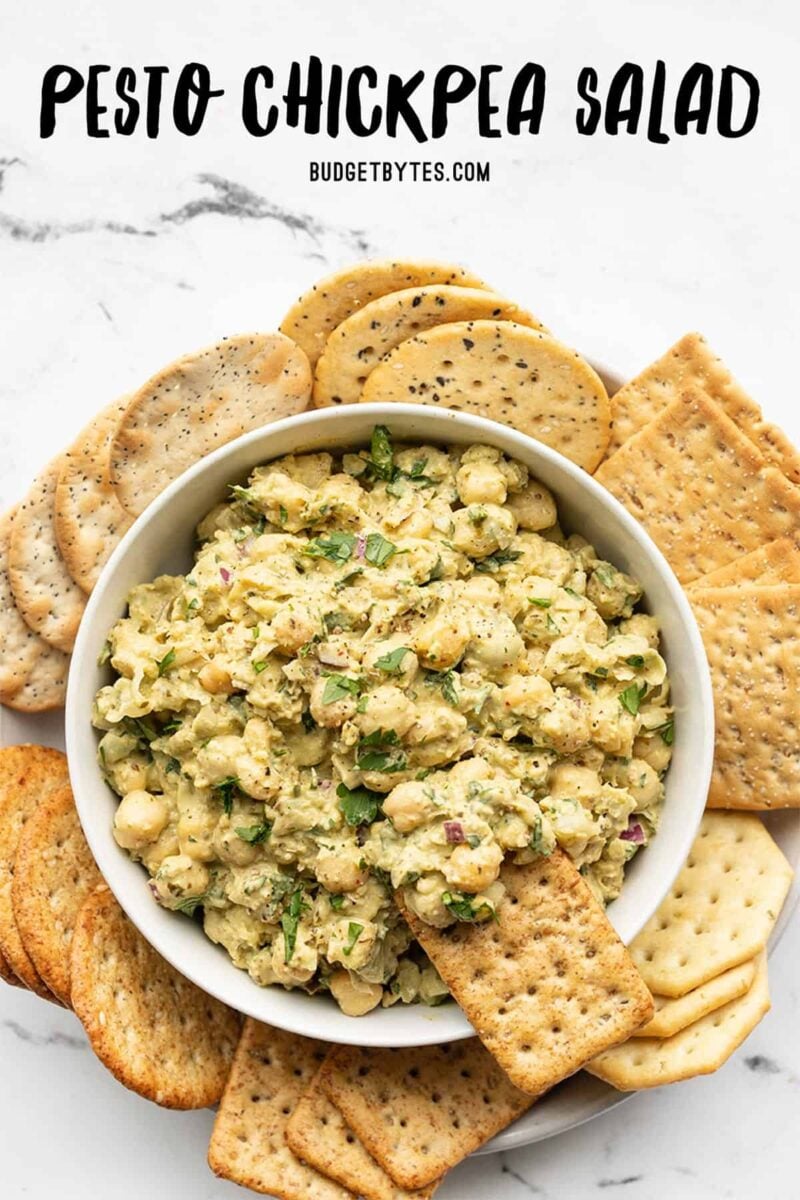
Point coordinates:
pixel 446 680
pixel 381 454
pixel 254 833
pixel 632 697
pixel 337 620
pixel 536 842
pixel 225 789
pixel 190 904
pixel 336 902
pixel 463 907
pixel 338 687
pixel 378 550
pixel 259 666
pixel 359 805
pixel 165 663
pixel 245 495
pixel 290 919
pixel 376 752
pixel 336 547
pixel 493 562
pixel 391 663
pixel 635 660
pixel 283 515
pixel 354 931
pixel 667 731
pixel 173 766
pixel 539 602
pixel 347 579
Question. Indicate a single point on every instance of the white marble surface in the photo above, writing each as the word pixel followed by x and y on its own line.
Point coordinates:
pixel 116 255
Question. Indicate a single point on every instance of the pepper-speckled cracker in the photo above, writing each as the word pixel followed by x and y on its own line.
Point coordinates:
pixel 54 872
pixel 699 1049
pixel 89 519
pixel 318 1135
pixel 700 488
pixel 692 365
pixel 33 674
pixel 752 640
pixel 28 774
pixel 419 1111
pixel 549 985
pixel 775 562
pixel 44 591
pixel 156 1032
pixel 361 341
pixel 270 1072
pixel 506 372
pixel 200 402
pixel 312 319
pixel 674 1014
pixel 721 908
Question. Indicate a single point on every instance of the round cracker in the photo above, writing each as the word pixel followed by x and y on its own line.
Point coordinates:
pixel 158 1034
pixel 313 318
pixel 7 975
pixel 360 342
pixel 89 519
pixel 199 403
pixel 507 373
pixel 33 674
pixel 27 774
pixel 44 591
pixel 54 872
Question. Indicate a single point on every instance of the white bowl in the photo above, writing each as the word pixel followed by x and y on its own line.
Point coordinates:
pixel 161 541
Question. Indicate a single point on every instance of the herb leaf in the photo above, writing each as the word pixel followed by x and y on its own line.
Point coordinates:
pixel 446 680
pixel 338 687
pixel 635 660
pixel 359 805
pixel 336 902
pixel 254 833
pixel 290 919
pixel 493 562
pixel 536 842
pixel 667 731
pixel 462 906
pixel 372 753
pixel 538 602
pixel 190 904
pixel 225 789
pixel 354 931
pixel 632 697
pixel 165 663
pixel 336 547
pixel 391 662
pixel 378 550
pixel 381 453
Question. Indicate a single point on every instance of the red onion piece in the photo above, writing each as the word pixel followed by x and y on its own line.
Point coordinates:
pixel 634 833
pixel 225 574
pixel 361 545
pixel 151 883
pixel 454 831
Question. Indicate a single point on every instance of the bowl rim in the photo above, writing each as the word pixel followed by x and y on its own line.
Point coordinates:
pixel 451 1024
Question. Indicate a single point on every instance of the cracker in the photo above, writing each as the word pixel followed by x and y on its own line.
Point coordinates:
pixel 28 774
pixel 421 1110
pixel 313 318
pixel 200 402
pixel 721 908
pixel 699 1049
pixel 54 872
pixel 89 519
pixel 357 345
pixel 318 1135
pixel 7 974
pixel 775 562
pixel 550 984
pixel 45 593
pixel 700 488
pixel 751 638
pixel 691 365
pixel 156 1032
pixel 270 1072
pixel 507 373
pixel 33 674
pixel 672 1015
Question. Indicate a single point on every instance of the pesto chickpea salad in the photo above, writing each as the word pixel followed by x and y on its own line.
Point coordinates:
pixel 386 670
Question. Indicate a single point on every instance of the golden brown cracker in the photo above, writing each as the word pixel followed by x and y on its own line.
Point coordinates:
pixel 775 562
pixel 673 1014
pixel 156 1032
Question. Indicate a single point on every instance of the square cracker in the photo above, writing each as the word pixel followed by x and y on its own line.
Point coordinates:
pixel 700 487
pixel 752 640
pixel 691 364
pixel 270 1072
pixel 318 1135
pixel 699 1049
pixel 775 562
pixel 421 1110
pixel 721 908
pixel 674 1014
pixel 550 984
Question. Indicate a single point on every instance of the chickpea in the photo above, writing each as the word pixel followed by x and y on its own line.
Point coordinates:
pixel 473 870
pixel 482 589
pixel 330 715
pixel 163 847
pixel 139 819
pixel 387 708
pixel 408 806
pixel 129 775
pixel 654 751
pixel 481 483
pixel 495 643
pixel 425 899
pixel 196 827
pixel 338 871
pixel 179 877
pixel 285 499
pixel 353 995
pixel 293 626
pixel 643 782
pixel 482 528
pixel 300 967
pixel 256 780
pixel 417 524
pixel 215 679
pixel 578 783
pixel 534 507
pixel 441 640
pixel 229 847
pixel 526 695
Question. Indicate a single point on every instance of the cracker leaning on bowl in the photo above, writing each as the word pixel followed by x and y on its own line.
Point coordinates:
pixel 774 562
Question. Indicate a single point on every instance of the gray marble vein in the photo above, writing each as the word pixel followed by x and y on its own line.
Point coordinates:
pixel 56 1038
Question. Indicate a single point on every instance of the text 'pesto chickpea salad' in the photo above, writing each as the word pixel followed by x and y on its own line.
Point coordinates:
pixel 386 670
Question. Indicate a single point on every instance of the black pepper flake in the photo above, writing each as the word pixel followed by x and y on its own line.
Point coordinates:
pixel 416 301
pixel 468 344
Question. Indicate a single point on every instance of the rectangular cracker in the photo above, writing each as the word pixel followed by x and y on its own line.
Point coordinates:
pixel 318 1134
pixel 775 562
pixel 752 640
pixel 550 984
pixel 270 1072
pixel 719 911
pixel 699 1049
pixel 421 1110
pixel 700 488
pixel 692 365
pixel 672 1015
